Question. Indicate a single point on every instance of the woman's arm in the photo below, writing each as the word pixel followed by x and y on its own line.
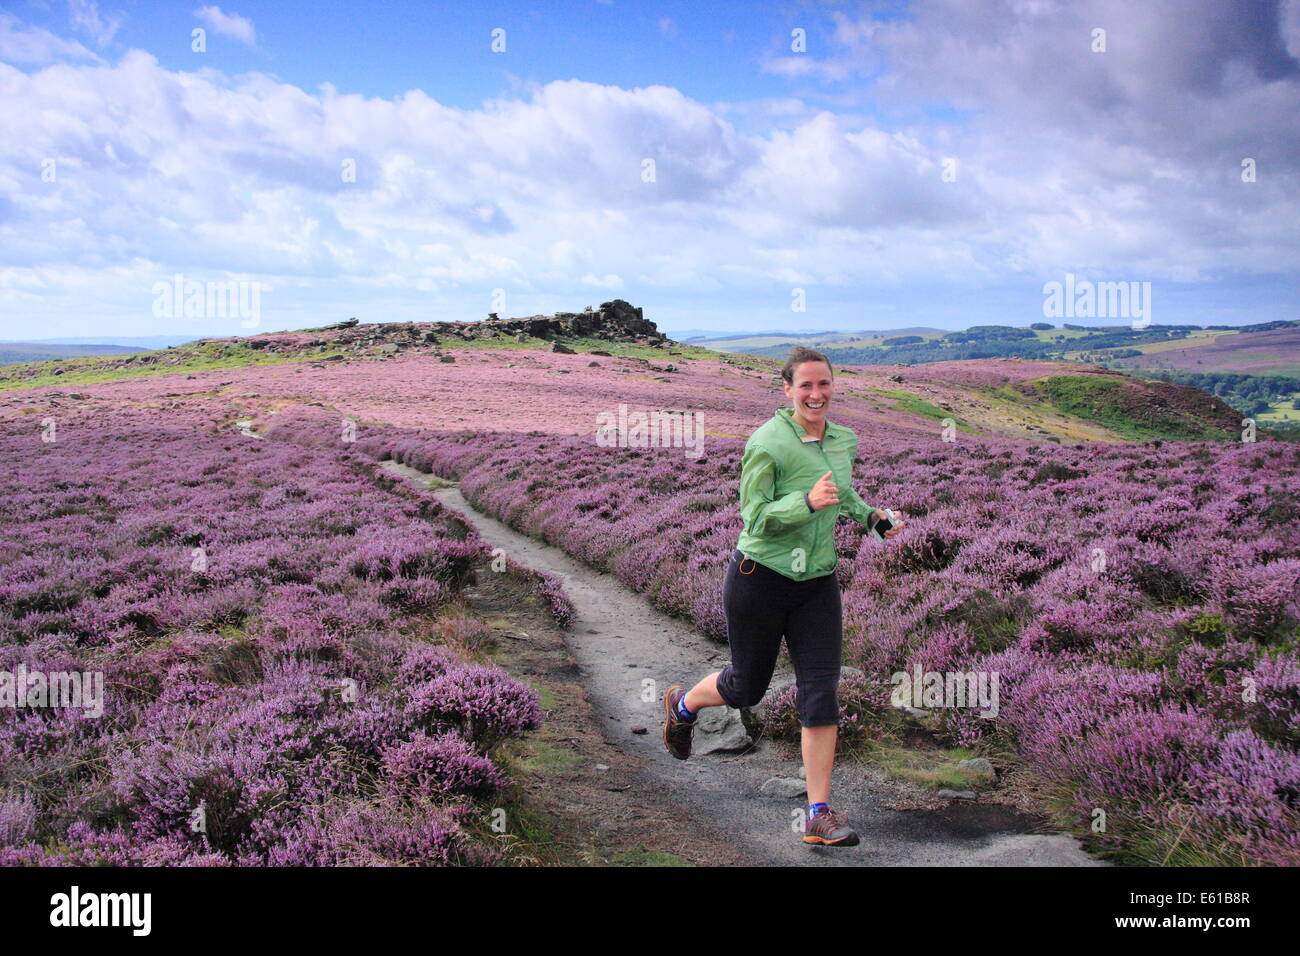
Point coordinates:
pixel 852 503
pixel 763 513
pixel 857 509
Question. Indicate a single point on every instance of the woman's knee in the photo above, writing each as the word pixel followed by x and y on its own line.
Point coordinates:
pixel 737 690
pixel 818 704
pixel 751 697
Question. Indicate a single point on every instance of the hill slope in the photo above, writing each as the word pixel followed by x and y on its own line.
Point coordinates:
pixel 13 353
pixel 557 374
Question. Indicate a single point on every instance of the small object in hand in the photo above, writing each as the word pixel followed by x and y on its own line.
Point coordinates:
pixel 883 524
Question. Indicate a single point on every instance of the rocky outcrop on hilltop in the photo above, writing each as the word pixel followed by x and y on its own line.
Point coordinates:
pixel 615 321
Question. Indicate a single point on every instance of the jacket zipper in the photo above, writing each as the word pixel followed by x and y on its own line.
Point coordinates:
pixel 831 469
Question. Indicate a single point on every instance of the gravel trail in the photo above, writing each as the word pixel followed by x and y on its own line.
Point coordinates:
pixel 620 643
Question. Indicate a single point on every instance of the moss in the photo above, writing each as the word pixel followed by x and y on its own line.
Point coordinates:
pixel 1207 628
pixel 933 769
pixel 640 856
pixel 540 757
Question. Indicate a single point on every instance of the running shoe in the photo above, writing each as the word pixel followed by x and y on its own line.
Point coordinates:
pixel 677 730
pixel 825 829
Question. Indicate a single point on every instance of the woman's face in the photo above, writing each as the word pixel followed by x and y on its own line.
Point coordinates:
pixel 811 391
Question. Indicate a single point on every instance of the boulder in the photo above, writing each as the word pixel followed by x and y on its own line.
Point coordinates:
pixel 720 730
pixel 979 767
pixel 345 324
pixel 784 787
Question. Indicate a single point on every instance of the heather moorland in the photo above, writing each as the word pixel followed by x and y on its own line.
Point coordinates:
pixel 217 542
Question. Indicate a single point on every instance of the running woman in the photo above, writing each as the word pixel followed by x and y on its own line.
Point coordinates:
pixel 795 480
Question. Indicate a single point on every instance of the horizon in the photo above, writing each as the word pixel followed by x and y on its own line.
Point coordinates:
pixel 121 340
pixel 740 169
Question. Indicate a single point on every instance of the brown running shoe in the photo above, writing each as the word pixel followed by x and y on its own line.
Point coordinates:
pixel 826 829
pixel 677 732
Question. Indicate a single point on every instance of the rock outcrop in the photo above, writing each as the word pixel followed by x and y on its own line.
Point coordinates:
pixel 614 321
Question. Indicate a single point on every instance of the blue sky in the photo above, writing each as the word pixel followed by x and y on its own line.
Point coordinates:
pixel 927 163
pixel 384 49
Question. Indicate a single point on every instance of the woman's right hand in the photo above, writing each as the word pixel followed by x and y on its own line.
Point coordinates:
pixel 824 493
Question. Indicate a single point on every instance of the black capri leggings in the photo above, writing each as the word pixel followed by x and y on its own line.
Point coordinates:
pixel 763 605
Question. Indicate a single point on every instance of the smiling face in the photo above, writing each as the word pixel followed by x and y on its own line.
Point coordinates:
pixel 810 394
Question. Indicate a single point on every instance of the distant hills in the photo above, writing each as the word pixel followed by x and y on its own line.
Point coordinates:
pixel 83 346
pixel 781 336
pixel 1252 370
pixel 139 341
pixel 15 353
pixel 1040 340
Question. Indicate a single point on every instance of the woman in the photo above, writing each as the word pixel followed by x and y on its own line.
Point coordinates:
pixel 795 480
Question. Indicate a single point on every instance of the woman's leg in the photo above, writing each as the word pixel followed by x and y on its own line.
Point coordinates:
pixel 704 694
pixel 818 745
pixel 756 604
pixel 814 636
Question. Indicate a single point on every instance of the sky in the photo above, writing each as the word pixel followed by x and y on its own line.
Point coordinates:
pixel 726 166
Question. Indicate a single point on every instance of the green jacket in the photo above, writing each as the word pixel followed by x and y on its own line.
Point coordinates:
pixel 776 470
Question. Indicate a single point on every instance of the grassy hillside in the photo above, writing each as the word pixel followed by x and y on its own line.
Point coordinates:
pixel 278 349
pixel 1000 398
pixel 194 357
pixel 1254 370
pixel 13 353
pixel 1266 348
pixel 1138 410
pixel 1248 352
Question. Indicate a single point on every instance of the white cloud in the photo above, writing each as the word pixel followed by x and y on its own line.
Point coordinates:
pixel 612 282
pixel 86 19
pixel 20 43
pixel 1290 18
pixel 566 254
pixel 228 24
pixel 1131 171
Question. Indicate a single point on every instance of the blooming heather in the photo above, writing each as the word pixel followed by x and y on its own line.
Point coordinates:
pixel 1140 602
pixel 257 610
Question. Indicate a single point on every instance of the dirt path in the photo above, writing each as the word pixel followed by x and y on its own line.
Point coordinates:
pixel 586 803
pixel 628 653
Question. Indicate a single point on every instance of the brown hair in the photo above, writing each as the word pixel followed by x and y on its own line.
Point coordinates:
pixel 798 355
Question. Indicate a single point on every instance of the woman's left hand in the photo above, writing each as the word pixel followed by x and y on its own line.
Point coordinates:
pixel 898 522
